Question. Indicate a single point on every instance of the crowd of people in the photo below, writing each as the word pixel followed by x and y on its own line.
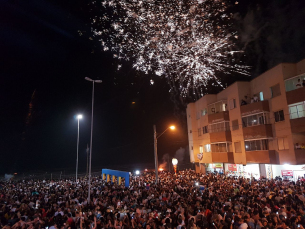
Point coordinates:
pixel 183 201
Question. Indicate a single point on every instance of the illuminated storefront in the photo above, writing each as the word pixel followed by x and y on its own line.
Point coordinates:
pixel 247 171
pixel 287 172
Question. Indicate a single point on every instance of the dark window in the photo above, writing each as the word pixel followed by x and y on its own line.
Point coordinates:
pixel 219 127
pixel 257 145
pixel 205 130
pixel 279 116
pixel 199 131
pixel 244 120
pixel 275 90
pixel 254 120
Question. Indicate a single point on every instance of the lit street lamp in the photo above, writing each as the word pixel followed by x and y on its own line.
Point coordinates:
pixel 78 118
pixel 175 162
pixel 155 148
pixel 90 157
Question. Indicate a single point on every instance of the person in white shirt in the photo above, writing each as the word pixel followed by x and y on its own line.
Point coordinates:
pixel 299 84
pixel 59 211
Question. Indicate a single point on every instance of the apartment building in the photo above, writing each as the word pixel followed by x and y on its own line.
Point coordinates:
pixel 254 128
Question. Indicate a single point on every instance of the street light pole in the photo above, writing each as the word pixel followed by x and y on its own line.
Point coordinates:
pixel 78 118
pixel 156 153
pixel 90 156
pixel 156 148
pixel 87 150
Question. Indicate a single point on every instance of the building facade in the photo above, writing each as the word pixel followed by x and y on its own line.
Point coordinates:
pixel 254 128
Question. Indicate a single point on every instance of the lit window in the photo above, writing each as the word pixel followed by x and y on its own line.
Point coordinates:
pixel 261 96
pixel 207 148
pixel 297 110
pixel 204 112
pixel 294 83
pixel 200 149
pixel 217 107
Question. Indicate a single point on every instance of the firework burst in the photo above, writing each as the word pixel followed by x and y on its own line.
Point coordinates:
pixel 186 41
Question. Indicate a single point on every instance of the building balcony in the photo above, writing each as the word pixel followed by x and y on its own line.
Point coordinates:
pixel 257 132
pixel 224 157
pixel 224 136
pixel 253 108
pixel 218 157
pixel 297 125
pixel 300 156
pixel 295 96
pixel 218 117
pixel 262 156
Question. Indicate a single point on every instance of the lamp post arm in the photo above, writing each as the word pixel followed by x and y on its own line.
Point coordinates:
pixel 162 133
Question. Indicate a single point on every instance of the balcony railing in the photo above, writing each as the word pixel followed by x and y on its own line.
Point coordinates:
pixel 297 125
pixel 224 136
pixel 299 156
pixel 300 146
pixel 295 96
pixel 219 117
pixel 258 132
pixel 263 156
pixel 255 107
pixel 226 157
pixel 223 157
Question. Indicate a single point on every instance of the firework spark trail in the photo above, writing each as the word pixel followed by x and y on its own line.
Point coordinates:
pixel 187 41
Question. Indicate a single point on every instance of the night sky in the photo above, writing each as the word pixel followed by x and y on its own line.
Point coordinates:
pixel 44 60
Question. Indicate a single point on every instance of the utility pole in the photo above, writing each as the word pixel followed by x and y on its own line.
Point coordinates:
pixel 90 157
pixel 87 150
pixel 155 147
pixel 78 118
pixel 156 154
